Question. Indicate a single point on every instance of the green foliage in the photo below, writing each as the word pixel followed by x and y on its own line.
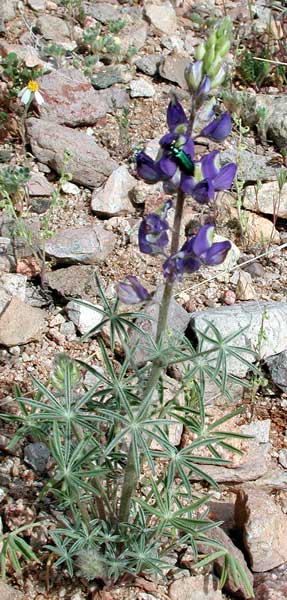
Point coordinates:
pixel 116 26
pixel 13 181
pixel 252 71
pixel 16 72
pixel 15 548
pixel 100 44
pixel 96 432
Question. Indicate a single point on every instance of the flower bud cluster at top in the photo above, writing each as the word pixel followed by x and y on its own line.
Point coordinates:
pixel 179 170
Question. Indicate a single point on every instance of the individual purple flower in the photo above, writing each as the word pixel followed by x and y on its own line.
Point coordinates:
pixel 197 250
pixel 176 117
pixel 130 291
pixel 153 234
pixel 213 178
pixel 219 128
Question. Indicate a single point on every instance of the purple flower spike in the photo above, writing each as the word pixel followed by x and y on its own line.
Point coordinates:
pixel 203 192
pixel 196 251
pixel 152 234
pixel 130 291
pixel 175 115
pixel 219 128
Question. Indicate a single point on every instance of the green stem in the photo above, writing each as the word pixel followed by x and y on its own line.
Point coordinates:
pixel 131 475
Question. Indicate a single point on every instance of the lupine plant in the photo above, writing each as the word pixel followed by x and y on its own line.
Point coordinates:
pixel 124 488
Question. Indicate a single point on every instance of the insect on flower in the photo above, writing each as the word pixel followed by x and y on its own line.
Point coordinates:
pixel 29 92
pixel 181 159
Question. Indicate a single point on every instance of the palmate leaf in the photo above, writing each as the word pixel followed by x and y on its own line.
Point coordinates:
pixel 15 548
pixel 119 322
pixel 230 563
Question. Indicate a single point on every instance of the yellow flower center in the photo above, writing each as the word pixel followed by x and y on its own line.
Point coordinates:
pixel 33 86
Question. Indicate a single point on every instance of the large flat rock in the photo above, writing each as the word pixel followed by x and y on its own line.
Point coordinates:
pixel 265 322
pixel 70 99
pixel 21 323
pixel 81 245
pixel 89 164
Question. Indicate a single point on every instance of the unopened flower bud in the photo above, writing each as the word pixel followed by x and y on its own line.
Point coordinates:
pixel 223 48
pixel 211 40
pixel 215 66
pixel 193 75
pixel 200 51
pixel 218 79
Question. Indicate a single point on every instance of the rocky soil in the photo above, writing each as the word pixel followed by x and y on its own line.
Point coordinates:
pixel 102 111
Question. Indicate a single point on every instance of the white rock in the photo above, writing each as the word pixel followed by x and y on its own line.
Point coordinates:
pixel 113 199
pixel 140 88
pixel 11 285
pixel 85 317
pixel 162 16
pixel 70 188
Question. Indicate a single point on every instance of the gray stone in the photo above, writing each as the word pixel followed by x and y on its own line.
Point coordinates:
pixel 82 245
pixel 85 317
pixel 38 185
pixel 20 323
pixel 198 587
pixel 277 366
pixel 260 430
pixel 178 320
pixel 173 69
pixel 252 167
pixel 102 11
pixel 8 9
pixel 37 455
pixel 53 29
pixel 89 164
pixel 282 457
pixel 111 75
pixel 173 43
pixel 149 63
pixel 70 99
pixel 267 199
pixel 113 198
pixel 134 36
pixel 271 317
pixel 12 285
pixel 7 592
pixel 162 16
pixel 256 270
pixel 37 5
pixel 264 528
pixel 222 538
pixel 75 281
pixel 141 88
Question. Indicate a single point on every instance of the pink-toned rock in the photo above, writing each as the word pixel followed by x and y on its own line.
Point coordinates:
pixel 89 164
pixel 38 185
pixel 199 587
pixel 7 592
pixel 20 323
pixel 253 464
pixel 230 586
pixel 264 528
pixel 271 585
pixel 70 99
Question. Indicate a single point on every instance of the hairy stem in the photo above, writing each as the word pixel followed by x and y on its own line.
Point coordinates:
pixel 131 476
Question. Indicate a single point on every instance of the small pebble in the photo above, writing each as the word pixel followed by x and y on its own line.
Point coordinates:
pixel 229 297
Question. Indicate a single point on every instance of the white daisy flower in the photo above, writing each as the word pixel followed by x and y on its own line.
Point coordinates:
pixel 31 91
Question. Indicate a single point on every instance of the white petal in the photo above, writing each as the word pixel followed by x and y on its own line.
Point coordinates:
pixel 20 94
pixel 25 98
pixel 39 98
